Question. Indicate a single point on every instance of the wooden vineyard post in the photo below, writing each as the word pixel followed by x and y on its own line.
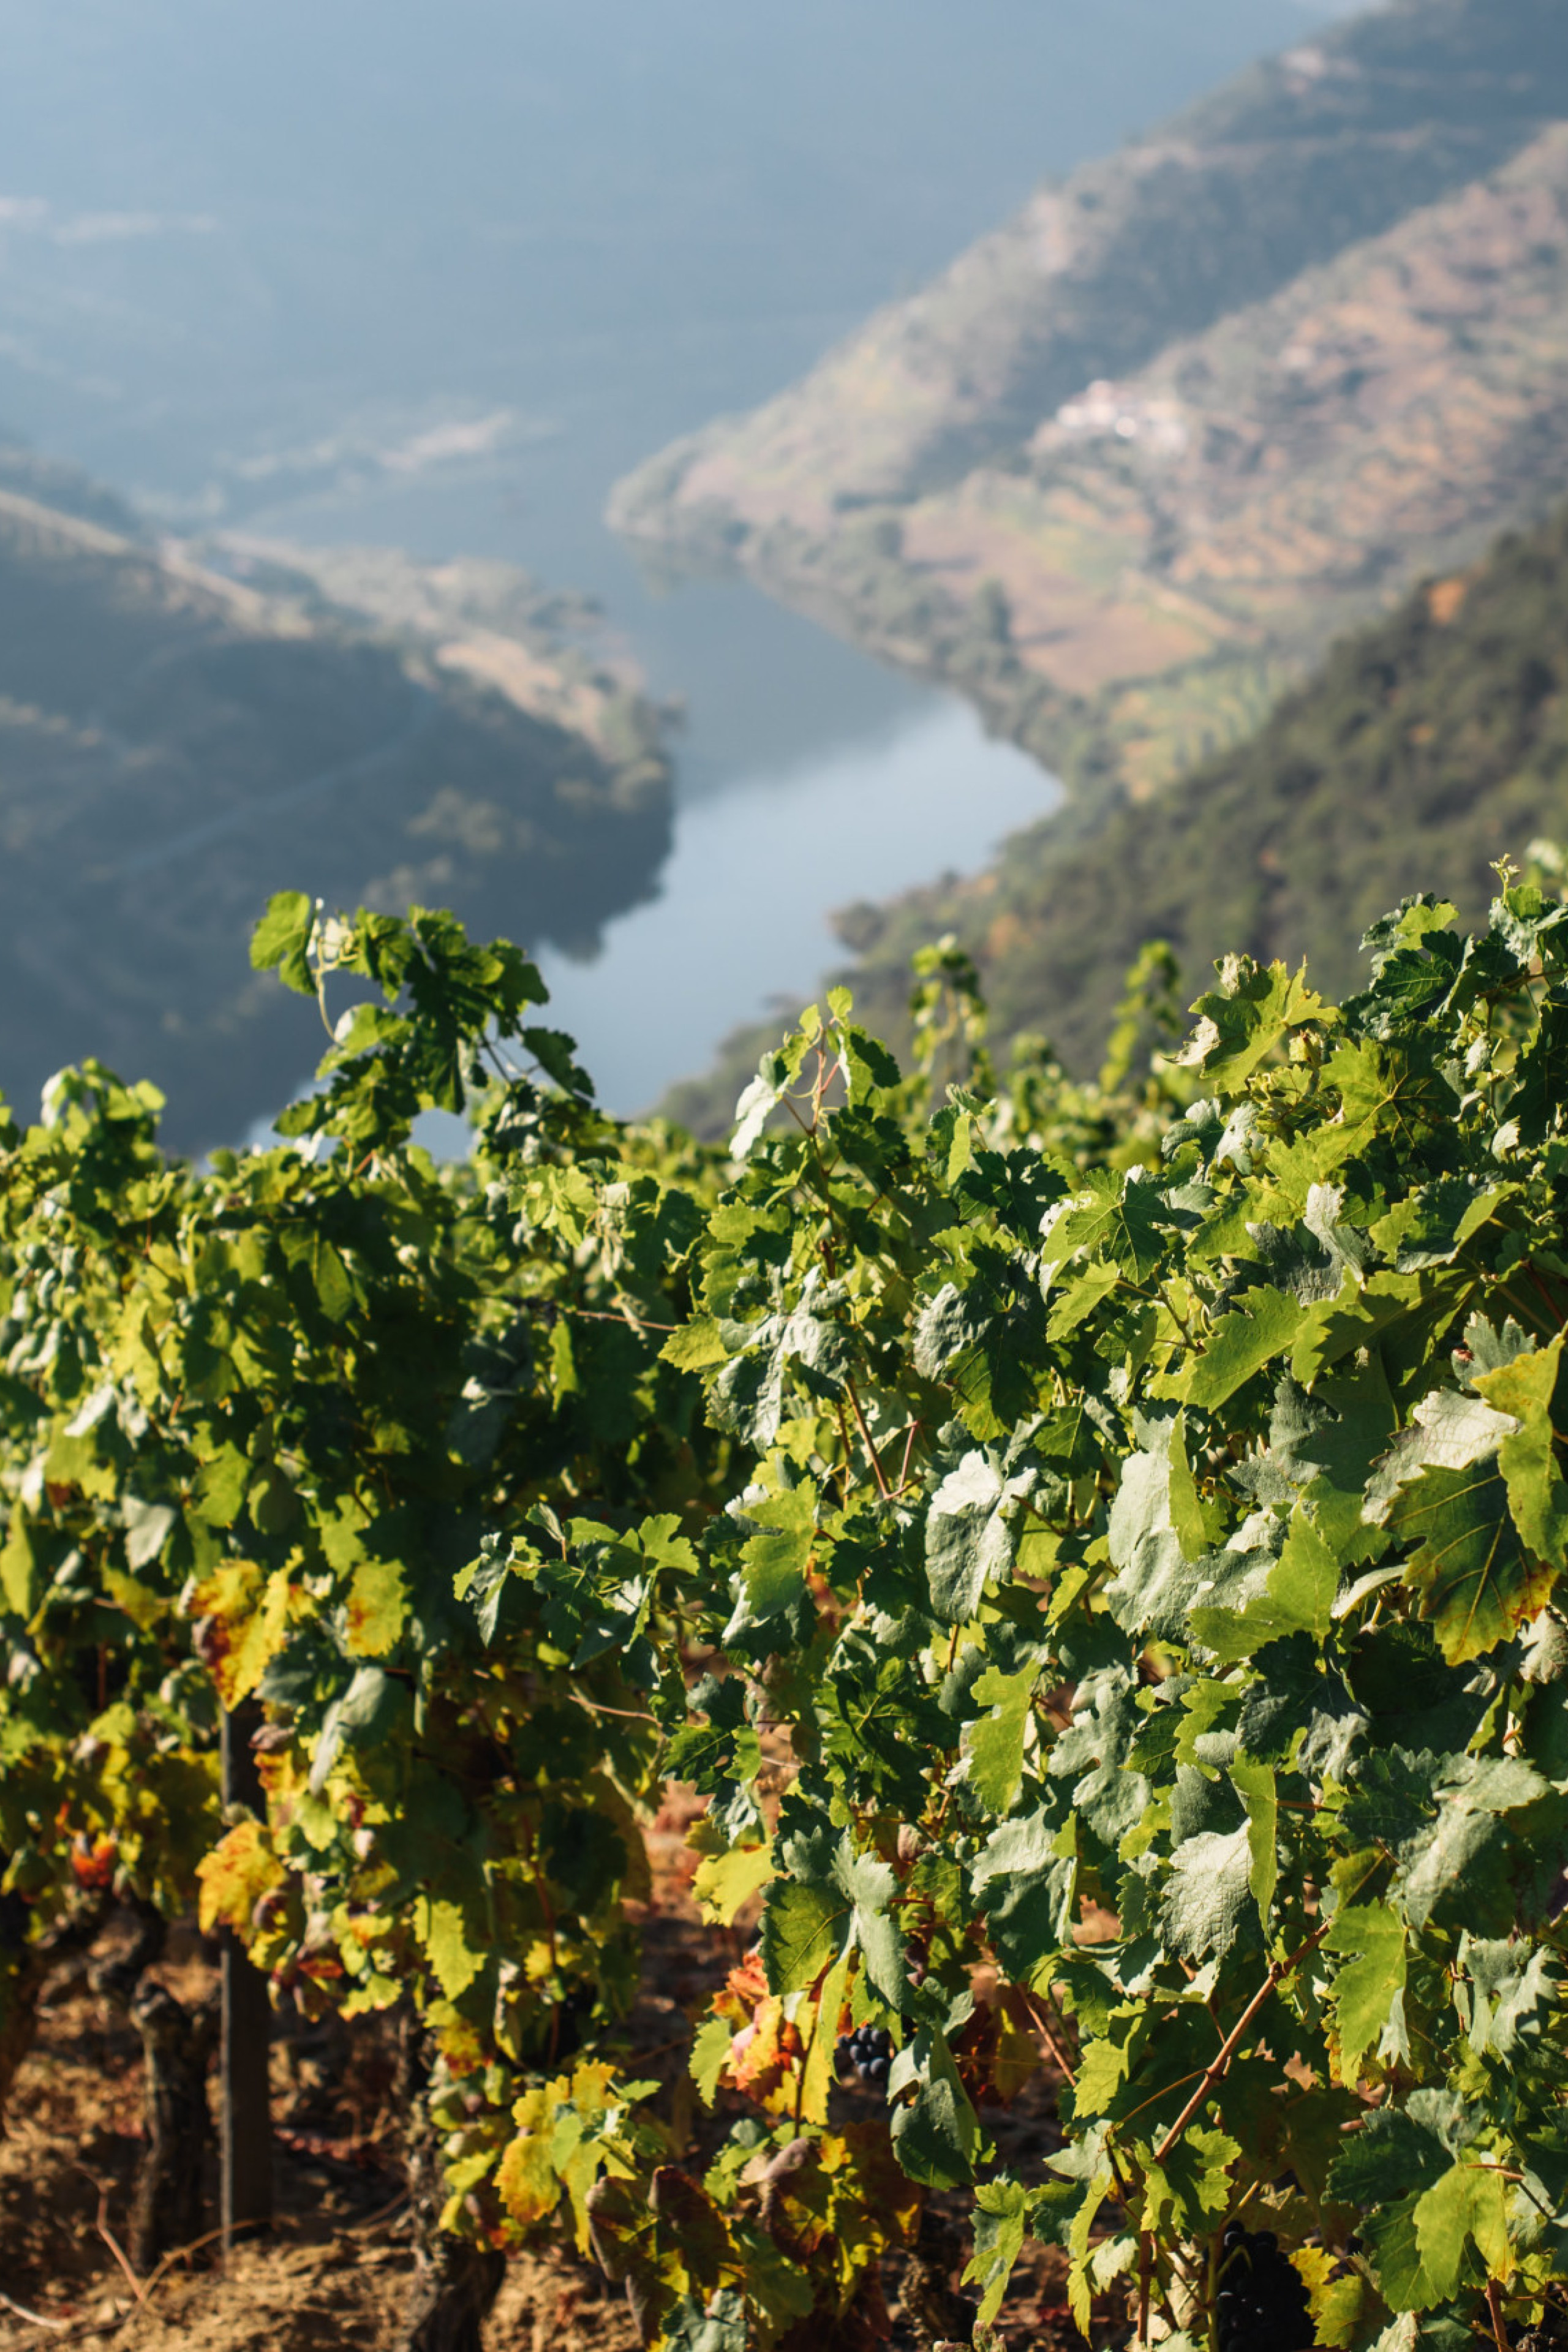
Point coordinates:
pixel 246 2144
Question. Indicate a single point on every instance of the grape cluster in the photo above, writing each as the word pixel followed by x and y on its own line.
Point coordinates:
pixel 1261 2305
pixel 867 2053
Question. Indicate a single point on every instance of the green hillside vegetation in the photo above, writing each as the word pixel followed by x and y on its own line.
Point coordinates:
pixel 171 732
pixel 1128 467
pixel 1427 747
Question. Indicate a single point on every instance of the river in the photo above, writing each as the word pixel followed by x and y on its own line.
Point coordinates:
pixel 806 777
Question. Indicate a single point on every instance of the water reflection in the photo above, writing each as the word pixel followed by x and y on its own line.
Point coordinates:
pixel 741 918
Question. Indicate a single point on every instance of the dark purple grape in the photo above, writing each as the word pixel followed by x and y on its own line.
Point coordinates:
pixel 867 2053
pixel 1261 2304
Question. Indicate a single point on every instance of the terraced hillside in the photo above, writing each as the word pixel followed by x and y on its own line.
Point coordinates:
pixel 1137 458
pixel 1428 746
pixel 178 740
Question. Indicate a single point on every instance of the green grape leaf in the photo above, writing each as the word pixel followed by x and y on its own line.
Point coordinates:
pixel 1368 1989
pixel 1448 1431
pixel 1026 1891
pixel 1083 1296
pixel 996 1744
pixel 969 1536
pixel 1297 1597
pixel 1190 2191
pixel 1115 1218
pixel 1002 2212
pixel 1254 1784
pixel 1475 1582
pixel 936 2133
pixel 1525 1390
pixel 1469 2202
pixel 1398 2150
pixel 1204 1900
pixel 281 939
pixel 1155 1581
pixel 1264 1324
pixel 870 1886
pixel 776 1559
pixel 1242 1022
pixel 803 1931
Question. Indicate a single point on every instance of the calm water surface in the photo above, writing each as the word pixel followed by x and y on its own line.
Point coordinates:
pixel 741 926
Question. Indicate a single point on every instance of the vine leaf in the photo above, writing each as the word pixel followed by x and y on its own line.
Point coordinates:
pixel 1242 1021
pixel 996 1743
pixel 1263 1325
pixel 775 1558
pixel 1002 2212
pixel 1369 1990
pixel 937 2133
pixel 803 1933
pixel 1477 1583
pixel 1026 1888
pixel 1205 1899
pixel 1254 1784
pixel 1190 2192
pixel 1297 1598
pixel 245 1616
pixel 1538 1497
pixel 1448 1431
pixel 808 1924
pixel 1114 1219
pixel 969 1539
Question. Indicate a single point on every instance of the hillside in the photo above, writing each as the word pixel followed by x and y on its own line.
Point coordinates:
pixel 183 731
pixel 1428 746
pixel 1139 456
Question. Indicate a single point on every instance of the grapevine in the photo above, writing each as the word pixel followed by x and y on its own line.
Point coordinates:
pixel 1093 1550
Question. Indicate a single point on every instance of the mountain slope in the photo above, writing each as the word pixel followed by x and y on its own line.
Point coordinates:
pixel 175 744
pixel 1425 747
pixel 1135 458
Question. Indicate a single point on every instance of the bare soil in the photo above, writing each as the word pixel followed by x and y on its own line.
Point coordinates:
pixel 333 2273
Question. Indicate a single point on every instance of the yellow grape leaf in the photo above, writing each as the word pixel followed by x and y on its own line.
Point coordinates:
pixel 696 1347
pixel 526 2179
pixel 723 1882
pixel 1335 2302
pixel 377 1609
pixel 443 1932
pixel 139 1602
pixel 134 1354
pixel 235 1876
pixel 710 2055
pixel 19 1579
pixel 248 1615
pixel 817 2076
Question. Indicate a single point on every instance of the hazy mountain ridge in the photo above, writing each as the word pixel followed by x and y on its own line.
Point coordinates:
pixel 1011 481
pixel 1428 746
pixel 176 743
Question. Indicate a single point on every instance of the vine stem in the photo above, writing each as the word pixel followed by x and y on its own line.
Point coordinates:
pixel 853 1393
pixel 107 2234
pixel 1494 2310
pixel 1145 2270
pixel 1049 2039
pixel 1233 2040
pixel 36 2318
